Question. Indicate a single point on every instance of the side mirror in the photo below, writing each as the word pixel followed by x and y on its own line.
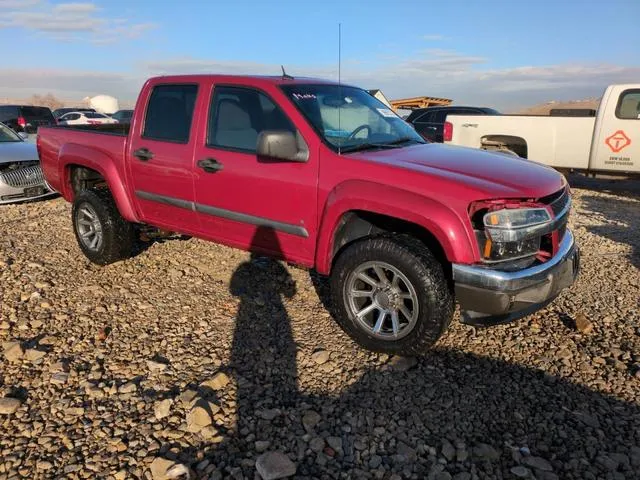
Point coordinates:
pixel 23 135
pixel 282 145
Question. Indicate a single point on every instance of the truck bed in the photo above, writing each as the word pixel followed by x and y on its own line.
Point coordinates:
pixel 106 141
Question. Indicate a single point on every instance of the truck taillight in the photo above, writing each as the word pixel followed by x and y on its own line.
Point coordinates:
pixel 22 122
pixel 447 134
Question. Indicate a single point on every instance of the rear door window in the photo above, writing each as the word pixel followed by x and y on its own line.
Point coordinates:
pixel 37 113
pixel 628 107
pixel 170 113
pixel 8 113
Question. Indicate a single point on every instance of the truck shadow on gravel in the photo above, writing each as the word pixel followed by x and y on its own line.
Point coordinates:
pixel 621 221
pixel 454 413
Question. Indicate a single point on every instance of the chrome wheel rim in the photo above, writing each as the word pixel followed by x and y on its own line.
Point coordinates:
pixel 89 227
pixel 382 300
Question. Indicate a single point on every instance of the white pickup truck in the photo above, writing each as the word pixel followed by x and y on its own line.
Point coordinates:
pixel 608 142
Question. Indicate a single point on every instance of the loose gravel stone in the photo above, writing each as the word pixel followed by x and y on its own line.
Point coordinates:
pixel 321 357
pixel 9 405
pixel 218 382
pixel 13 351
pixel 274 465
pixel 161 409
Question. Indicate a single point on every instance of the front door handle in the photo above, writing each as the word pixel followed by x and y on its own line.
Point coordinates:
pixel 210 165
pixel 143 154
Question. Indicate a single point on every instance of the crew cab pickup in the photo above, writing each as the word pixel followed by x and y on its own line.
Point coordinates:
pixel 608 142
pixel 327 177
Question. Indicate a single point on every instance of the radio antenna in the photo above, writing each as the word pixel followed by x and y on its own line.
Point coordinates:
pixel 339 84
pixel 285 76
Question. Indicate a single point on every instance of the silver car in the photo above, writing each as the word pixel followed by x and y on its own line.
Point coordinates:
pixel 20 173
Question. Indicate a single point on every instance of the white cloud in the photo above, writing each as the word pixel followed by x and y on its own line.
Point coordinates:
pixel 433 37
pixel 73 21
pixel 434 72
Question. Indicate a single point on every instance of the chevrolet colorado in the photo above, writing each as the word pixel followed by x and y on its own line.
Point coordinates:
pixel 325 176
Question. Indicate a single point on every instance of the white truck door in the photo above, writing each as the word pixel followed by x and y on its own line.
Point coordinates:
pixel 616 139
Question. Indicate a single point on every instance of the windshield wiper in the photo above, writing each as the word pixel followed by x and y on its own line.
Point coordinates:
pixel 368 146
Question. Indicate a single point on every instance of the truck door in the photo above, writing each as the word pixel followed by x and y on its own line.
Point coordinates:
pixel 616 143
pixel 160 157
pixel 248 202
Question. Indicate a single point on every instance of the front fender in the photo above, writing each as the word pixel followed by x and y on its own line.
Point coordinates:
pixel 72 154
pixel 451 231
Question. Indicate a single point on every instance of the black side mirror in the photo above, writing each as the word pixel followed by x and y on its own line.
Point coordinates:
pixel 282 145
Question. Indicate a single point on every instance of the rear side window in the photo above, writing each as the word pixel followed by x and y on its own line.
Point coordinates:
pixel 8 113
pixel 238 115
pixel 71 116
pixel 94 115
pixel 39 113
pixel 170 113
pixel 628 107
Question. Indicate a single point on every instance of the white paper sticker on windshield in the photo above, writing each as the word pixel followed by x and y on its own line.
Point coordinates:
pixel 385 112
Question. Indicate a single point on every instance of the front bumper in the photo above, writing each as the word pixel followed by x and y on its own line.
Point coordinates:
pixel 489 297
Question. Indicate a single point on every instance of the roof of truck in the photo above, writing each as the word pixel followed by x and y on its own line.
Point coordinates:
pixel 255 79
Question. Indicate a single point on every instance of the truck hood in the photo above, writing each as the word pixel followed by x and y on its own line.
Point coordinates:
pixel 17 152
pixel 496 174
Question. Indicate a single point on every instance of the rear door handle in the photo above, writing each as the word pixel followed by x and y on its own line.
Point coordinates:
pixel 210 165
pixel 143 154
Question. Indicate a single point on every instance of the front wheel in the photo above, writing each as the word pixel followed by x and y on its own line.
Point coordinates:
pixel 391 295
pixel 102 234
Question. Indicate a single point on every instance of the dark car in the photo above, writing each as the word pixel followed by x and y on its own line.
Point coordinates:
pixel 429 122
pixel 26 118
pixel 58 112
pixel 123 116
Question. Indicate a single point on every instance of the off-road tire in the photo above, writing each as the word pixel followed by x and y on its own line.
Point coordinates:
pixel 118 235
pixel 426 274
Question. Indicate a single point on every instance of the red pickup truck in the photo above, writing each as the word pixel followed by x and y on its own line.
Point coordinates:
pixel 325 176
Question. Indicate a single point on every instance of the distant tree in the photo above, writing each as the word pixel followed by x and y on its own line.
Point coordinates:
pixel 48 100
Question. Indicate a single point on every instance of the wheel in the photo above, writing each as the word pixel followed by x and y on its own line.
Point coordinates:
pixel 390 295
pixel 102 234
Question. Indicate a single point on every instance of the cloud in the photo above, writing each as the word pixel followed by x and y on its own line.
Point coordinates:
pixel 434 72
pixel 433 37
pixel 68 22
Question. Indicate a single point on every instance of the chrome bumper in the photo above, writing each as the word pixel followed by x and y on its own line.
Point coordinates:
pixel 489 296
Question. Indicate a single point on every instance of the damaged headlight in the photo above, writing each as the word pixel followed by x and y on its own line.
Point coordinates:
pixel 510 234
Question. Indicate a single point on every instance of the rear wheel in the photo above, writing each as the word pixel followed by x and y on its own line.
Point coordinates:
pixel 391 295
pixel 102 234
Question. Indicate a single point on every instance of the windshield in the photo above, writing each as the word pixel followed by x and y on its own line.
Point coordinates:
pixel 8 135
pixel 349 118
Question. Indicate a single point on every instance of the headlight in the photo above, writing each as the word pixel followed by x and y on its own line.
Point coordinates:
pixel 516 224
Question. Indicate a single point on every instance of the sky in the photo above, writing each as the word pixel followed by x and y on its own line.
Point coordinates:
pixel 496 53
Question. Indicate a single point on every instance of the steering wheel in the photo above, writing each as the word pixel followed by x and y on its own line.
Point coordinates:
pixel 353 134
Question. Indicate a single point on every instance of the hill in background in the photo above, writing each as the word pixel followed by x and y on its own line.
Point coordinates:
pixel 544 108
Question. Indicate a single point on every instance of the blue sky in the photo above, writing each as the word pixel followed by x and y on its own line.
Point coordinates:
pixel 497 53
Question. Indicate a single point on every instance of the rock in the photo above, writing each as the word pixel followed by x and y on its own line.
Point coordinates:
pixel 607 462
pixel 121 475
pixel 521 471
pixel 13 351
pixel 538 463
pixel 218 382
pixel 442 476
pixel 209 433
pixel 33 355
pixel 43 465
pixel 60 378
pixel 9 405
pixel 335 443
pixel 448 450
pixel 178 471
pixel 462 476
pixel 273 465
pixel 156 366
pixel 320 357
pixel 486 452
pixel 375 461
pixel 317 444
pixel 402 364
pixel 160 467
pixel 406 451
pixel 128 387
pixel 583 324
pixel 310 419
pixel 269 414
pixel 161 409
pixel 198 418
pixel 262 445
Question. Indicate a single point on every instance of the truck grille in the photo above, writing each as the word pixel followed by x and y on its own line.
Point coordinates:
pixel 23 177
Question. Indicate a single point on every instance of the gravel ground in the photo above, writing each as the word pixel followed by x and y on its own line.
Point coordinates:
pixel 195 360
